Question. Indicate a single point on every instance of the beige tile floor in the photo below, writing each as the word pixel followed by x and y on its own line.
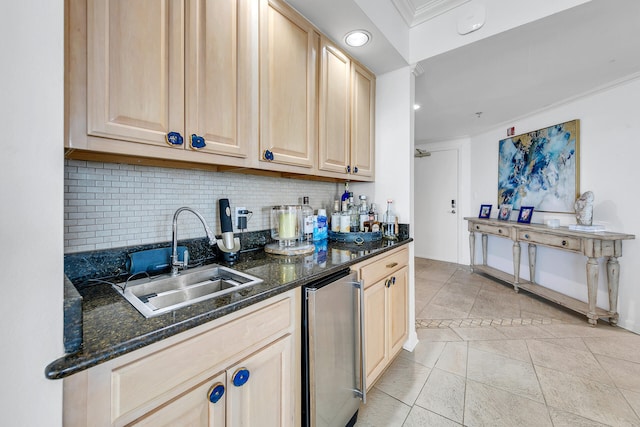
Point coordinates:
pixel 490 357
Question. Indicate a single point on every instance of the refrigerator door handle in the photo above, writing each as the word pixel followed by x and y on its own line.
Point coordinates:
pixel 362 393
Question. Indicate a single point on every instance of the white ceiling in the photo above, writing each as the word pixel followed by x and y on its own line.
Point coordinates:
pixel 505 76
pixel 416 12
pixel 335 18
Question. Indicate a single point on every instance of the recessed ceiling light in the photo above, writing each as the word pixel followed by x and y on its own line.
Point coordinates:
pixel 357 38
pixel 416 106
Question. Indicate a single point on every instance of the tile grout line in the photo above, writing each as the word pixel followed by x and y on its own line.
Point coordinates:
pixel 482 322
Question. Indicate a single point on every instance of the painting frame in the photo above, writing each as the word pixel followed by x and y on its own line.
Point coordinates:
pixel 541 168
pixel 526 212
pixel 485 211
pixel 504 214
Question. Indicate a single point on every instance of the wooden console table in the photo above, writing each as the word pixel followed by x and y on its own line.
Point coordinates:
pixel 592 245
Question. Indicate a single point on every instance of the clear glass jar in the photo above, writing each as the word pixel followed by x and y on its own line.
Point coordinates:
pixel 285 224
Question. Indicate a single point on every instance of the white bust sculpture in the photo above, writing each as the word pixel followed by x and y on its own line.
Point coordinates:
pixel 584 208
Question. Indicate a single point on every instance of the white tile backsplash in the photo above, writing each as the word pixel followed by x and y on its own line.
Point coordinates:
pixel 110 205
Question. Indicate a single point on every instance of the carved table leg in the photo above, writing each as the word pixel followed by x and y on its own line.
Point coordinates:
pixel 613 279
pixel 532 262
pixel 592 287
pixel 485 238
pixel 516 265
pixel 472 248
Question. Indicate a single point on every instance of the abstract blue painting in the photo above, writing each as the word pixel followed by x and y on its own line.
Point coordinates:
pixel 540 168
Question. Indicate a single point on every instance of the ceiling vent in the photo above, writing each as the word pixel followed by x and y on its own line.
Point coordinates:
pixel 416 12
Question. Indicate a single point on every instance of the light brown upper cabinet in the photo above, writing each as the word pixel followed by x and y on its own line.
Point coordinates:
pixel 288 88
pixel 161 71
pixel 363 86
pixel 240 85
pixel 346 128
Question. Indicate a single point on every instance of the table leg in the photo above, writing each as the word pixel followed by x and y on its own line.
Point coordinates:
pixel 532 262
pixel 472 248
pixel 516 265
pixel 613 279
pixel 485 239
pixel 592 288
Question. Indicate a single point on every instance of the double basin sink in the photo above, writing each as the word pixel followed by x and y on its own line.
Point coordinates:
pixel 162 294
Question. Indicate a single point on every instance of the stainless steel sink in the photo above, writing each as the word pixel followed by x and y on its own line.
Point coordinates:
pixel 161 294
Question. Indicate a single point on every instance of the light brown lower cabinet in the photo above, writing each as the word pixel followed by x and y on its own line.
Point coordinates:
pixel 386 310
pixel 242 369
pixel 190 408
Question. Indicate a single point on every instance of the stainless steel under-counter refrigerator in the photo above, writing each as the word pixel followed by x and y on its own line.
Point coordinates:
pixel 332 354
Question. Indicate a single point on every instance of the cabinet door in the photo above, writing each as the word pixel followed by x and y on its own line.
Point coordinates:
pixel 288 62
pixel 375 330
pixel 135 66
pixel 218 76
pixel 193 409
pixel 266 397
pixel 362 122
pixel 334 133
pixel 398 306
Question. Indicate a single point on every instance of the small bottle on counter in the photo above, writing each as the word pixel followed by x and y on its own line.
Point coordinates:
pixel 320 232
pixel 307 220
pixel 345 219
pixel 335 217
pixel 389 221
pixel 353 213
pixel 373 213
pixel 374 224
pixel 345 195
pixel 363 214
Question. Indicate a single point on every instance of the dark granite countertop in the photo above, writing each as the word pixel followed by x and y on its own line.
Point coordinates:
pixel 112 327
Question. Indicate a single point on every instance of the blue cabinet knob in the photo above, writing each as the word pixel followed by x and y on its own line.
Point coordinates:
pixel 348 168
pixel 268 155
pixel 240 377
pixel 215 392
pixel 197 141
pixel 174 138
pixel 355 169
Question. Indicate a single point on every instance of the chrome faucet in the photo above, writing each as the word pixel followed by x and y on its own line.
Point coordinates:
pixel 175 264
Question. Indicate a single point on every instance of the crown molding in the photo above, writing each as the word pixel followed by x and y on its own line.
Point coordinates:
pixel 426 9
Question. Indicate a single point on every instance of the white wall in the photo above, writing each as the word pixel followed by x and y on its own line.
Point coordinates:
pixel 394 132
pixel 609 152
pixel 31 164
pixel 394 161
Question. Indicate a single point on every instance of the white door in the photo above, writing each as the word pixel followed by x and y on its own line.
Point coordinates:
pixel 436 205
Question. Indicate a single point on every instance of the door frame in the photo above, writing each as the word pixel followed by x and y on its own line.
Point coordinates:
pixel 462 145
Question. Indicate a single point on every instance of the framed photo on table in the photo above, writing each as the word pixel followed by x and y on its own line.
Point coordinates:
pixel 505 212
pixel 526 212
pixel 485 211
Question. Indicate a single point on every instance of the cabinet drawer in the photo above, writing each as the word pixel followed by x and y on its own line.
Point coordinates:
pixel 496 230
pixel 144 380
pixel 563 242
pixel 382 267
